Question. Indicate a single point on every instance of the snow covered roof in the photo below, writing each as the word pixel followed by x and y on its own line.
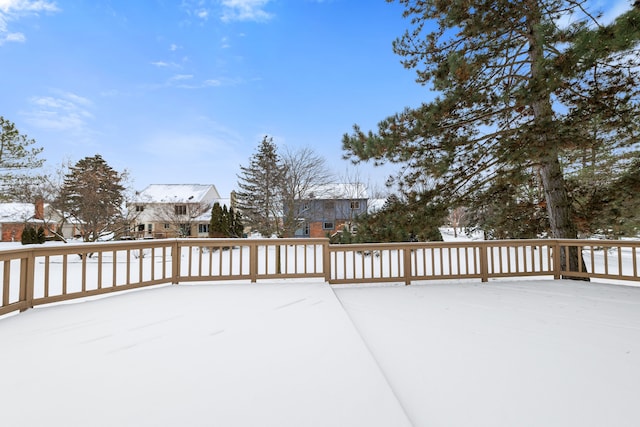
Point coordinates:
pixel 355 190
pixel 16 212
pixel 181 193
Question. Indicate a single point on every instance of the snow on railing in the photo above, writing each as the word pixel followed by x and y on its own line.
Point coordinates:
pixel 35 275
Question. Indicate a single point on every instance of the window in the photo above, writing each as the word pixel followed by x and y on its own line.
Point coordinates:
pixel 139 208
pixel 181 209
pixel 305 206
pixel 327 225
pixel 355 205
pixel 303 231
pixel 329 205
pixel 203 228
pixel 149 228
pixel 140 227
pixel 167 226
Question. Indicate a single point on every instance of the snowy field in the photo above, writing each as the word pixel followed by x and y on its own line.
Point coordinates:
pixel 302 353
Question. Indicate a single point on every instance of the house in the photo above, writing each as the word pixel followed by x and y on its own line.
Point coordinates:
pixel 172 210
pixel 326 209
pixel 15 216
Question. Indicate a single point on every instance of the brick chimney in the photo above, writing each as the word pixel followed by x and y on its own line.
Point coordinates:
pixel 39 213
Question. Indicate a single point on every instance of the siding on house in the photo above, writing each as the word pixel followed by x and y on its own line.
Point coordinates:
pixel 172 210
pixel 325 210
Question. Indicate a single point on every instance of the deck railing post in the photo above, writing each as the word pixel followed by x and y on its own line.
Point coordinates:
pixel 176 255
pixel 326 261
pixel 253 261
pixel 406 253
pixel 484 262
pixel 555 247
pixel 27 274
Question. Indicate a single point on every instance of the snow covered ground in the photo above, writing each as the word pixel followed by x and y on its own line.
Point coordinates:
pixel 506 353
pixel 301 353
pixel 272 354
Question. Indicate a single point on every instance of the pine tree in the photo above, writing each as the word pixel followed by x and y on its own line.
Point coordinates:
pixel 216 226
pixel 40 235
pixel 226 221
pixel 259 196
pixel 27 237
pixel 236 227
pixel 401 219
pixel 513 84
pixel 511 207
pixel 92 194
pixel 18 157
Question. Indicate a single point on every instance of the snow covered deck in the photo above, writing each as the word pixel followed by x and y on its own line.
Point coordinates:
pixel 302 353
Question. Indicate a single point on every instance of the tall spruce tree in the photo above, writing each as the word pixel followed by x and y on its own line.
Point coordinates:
pixel 225 222
pixel 93 195
pixel 216 225
pixel 236 227
pixel 259 195
pixel 18 157
pixel 513 83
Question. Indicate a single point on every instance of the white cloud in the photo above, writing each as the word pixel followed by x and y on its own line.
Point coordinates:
pixel 27 6
pixel 202 14
pixel 180 77
pixel 65 111
pixel 227 10
pixel 195 8
pixel 12 10
pixel 212 82
pixel 163 64
pixel 245 10
pixel 14 37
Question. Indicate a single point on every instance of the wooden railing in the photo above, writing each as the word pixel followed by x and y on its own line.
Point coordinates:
pixel 34 275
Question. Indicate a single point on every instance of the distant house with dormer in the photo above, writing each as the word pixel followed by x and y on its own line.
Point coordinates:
pixel 326 209
pixel 172 210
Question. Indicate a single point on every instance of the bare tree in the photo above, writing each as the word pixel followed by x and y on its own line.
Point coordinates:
pixel 353 189
pixel 304 170
pixel 181 216
pixel 457 218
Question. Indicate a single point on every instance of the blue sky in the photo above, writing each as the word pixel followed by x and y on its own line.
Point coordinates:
pixel 182 91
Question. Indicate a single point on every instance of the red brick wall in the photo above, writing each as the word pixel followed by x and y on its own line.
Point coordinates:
pixel 315 229
pixel 12 232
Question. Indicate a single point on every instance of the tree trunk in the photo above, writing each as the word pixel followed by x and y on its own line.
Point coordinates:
pixel 558 207
pixel 559 212
pixel 547 145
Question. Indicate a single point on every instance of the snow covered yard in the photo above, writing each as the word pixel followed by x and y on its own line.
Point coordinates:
pixel 236 354
pixel 291 353
pixel 506 353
